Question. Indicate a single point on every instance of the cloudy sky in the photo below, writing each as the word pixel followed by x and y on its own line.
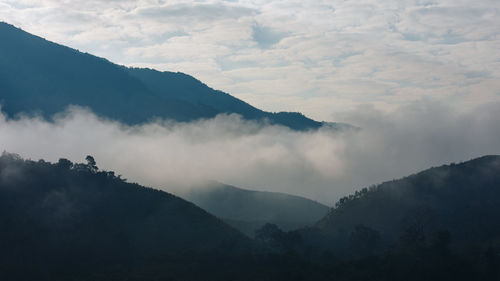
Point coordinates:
pixel 323 58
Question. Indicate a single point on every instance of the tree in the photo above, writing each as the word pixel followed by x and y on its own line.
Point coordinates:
pixel 64 163
pixel 91 164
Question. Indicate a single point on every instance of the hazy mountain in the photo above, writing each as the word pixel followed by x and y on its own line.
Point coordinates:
pixel 71 217
pixel 248 210
pixel 459 203
pixel 38 76
pixel 188 89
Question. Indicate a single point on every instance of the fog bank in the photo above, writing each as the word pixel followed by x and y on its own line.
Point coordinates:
pixel 321 165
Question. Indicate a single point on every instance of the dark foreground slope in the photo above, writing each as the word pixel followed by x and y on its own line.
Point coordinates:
pixel 57 218
pixel 69 221
pixel 248 210
pixel 38 76
pixel 457 204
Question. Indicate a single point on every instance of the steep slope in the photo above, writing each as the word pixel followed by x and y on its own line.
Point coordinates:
pixel 38 76
pixel 248 210
pixel 73 217
pixel 187 88
pixel 459 201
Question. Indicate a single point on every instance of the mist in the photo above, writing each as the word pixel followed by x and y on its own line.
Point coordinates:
pixel 322 165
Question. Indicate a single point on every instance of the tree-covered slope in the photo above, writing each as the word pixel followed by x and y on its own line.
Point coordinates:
pixel 71 217
pixel 457 202
pixel 43 77
pixel 248 210
pixel 186 88
pixel 72 222
pixel 38 76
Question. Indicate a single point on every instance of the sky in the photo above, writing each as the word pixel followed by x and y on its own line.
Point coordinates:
pixel 321 58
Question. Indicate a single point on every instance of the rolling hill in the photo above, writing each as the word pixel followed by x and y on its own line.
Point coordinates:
pixel 459 203
pixel 248 210
pixel 73 218
pixel 42 77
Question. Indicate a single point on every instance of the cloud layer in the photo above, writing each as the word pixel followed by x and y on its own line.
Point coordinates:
pixel 316 57
pixel 321 165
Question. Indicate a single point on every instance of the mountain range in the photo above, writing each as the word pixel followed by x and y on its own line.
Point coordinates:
pixel 72 221
pixel 41 77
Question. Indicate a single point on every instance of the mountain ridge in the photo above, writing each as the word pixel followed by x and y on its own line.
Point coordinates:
pixel 459 199
pixel 40 76
pixel 248 210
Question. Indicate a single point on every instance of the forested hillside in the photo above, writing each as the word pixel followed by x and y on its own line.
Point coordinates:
pixel 42 77
pixel 71 221
pixel 459 203
pixel 72 218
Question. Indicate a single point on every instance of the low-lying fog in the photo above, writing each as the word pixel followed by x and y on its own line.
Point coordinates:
pixel 320 165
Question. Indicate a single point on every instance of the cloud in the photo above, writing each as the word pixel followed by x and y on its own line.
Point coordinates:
pixel 195 11
pixel 266 37
pixel 319 57
pixel 322 164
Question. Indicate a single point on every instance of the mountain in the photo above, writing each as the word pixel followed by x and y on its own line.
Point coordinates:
pixel 457 204
pixel 248 210
pixel 186 88
pixel 71 221
pixel 38 76
pixel 73 218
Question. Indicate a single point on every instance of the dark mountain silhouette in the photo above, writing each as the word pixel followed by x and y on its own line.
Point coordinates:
pixel 38 76
pixel 70 221
pixel 459 203
pixel 71 217
pixel 248 210
pixel 188 89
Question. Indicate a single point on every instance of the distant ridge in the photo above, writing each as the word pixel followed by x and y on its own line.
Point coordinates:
pixel 38 76
pixel 249 210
